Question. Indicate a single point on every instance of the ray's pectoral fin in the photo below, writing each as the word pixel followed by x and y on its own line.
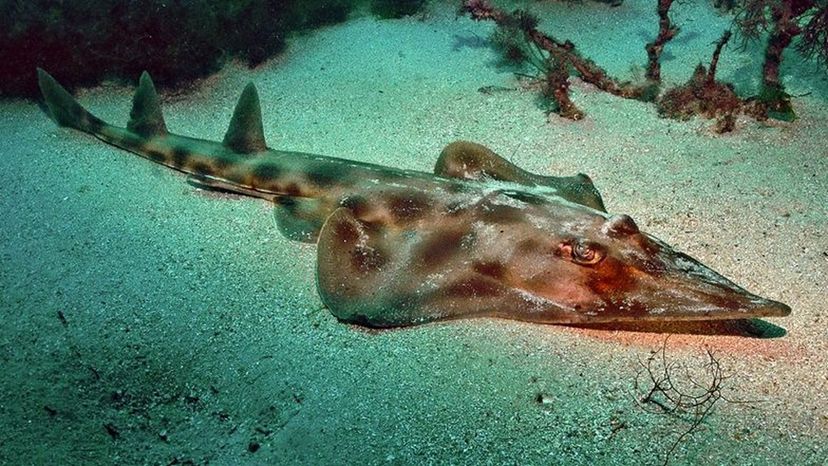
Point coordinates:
pixel 363 273
pixel 355 266
pixel 472 161
pixel 380 277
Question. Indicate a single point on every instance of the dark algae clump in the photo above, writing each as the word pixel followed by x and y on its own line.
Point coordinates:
pixel 86 42
pixel 396 8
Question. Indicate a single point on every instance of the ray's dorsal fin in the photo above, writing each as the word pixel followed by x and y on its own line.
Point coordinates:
pixel 246 134
pixel 145 118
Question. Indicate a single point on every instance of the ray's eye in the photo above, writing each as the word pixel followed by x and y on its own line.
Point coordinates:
pixel 583 252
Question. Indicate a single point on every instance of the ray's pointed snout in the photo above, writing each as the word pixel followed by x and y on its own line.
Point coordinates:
pixel 699 292
pixel 770 308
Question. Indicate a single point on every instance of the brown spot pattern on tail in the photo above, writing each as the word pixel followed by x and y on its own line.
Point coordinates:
pixel 491 269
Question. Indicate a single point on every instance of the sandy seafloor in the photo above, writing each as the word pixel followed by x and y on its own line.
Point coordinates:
pixel 193 329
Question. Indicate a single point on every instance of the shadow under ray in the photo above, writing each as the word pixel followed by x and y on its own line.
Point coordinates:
pixel 749 328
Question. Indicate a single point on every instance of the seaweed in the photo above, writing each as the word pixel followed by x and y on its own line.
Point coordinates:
pixel 556 89
pixel 783 21
pixel 396 8
pixel 703 95
pixel 520 40
pixel 84 43
pixel 674 389
pixel 666 32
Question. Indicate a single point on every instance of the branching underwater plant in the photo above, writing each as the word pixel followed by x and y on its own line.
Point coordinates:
pixel 667 387
pixel 519 39
pixel 555 61
pixel 783 21
pixel 666 31
pixel 704 95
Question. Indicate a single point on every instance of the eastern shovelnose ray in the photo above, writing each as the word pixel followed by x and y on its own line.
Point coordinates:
pixel 479 237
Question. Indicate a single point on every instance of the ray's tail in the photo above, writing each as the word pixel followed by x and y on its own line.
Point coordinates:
pixel 64 109
pixel 232 164
pixel 145 120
